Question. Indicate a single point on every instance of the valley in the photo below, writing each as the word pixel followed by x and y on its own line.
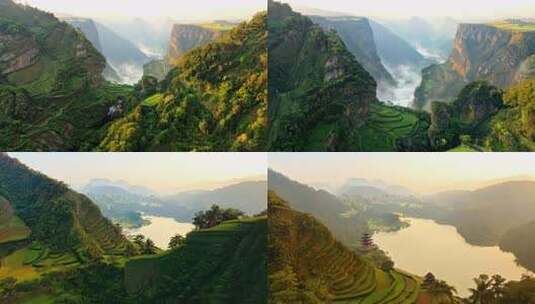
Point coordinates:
pixel 435 248
pixel 57 246
pixel 84 84
pixel 440 84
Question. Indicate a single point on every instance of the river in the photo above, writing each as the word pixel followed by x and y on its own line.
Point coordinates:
pixel 161 229
pixel 426 246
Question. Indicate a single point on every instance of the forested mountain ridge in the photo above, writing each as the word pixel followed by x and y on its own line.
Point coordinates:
pixel 214 99
pixel 59 218
pixel 307 264
pixel 52 93
pixel 322 99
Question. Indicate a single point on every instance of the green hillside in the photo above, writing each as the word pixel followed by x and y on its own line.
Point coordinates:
pixel 66 227
pixel 52 93
pixel 308 265
pixel 214 99
pixel 223 264
pixel 323 99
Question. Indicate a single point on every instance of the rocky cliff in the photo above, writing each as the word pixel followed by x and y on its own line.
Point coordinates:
pixel 358 37
pixel 500 53
pixel 185 37
pixel 317 89
pixel 38 51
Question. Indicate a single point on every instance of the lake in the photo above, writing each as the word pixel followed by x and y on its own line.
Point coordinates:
pixel 426 246
pixel 161 229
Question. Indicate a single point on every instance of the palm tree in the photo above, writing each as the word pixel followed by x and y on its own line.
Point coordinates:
pixel 150 247
pixel 481 294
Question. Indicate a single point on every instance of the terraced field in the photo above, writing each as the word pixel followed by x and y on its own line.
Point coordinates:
pixel 299 241
pixel 386 126
pixel 12 228
pixel 224 264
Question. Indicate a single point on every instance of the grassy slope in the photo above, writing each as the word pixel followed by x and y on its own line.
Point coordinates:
pixel 326 270
pixel 224 264
pixel 67 228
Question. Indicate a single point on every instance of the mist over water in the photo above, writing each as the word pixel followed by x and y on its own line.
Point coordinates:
pixel 426 246
pixel 408 79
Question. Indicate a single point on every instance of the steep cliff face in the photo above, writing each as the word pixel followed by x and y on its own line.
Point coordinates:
pixel 185 37
pixel 317 88
pixel 359 39
pixel 90 31
pixel 38 51
pixel 499 53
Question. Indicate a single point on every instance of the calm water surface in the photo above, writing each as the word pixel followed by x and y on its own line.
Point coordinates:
pixel 426 246
pixel 161 229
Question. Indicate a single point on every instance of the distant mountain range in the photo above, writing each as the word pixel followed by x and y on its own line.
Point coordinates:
pixel 120 201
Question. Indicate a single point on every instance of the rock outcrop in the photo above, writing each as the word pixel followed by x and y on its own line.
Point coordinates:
pixel 315 84
pixel 358 37
pixel 500 53
pixel 185 37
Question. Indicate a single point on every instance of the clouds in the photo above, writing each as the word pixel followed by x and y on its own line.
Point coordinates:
pixel 462 9
pixel 178 9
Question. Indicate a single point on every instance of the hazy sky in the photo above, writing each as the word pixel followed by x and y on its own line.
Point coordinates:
pixel 164 172
pixel 420 172
pixel 462 9
pixel 179 9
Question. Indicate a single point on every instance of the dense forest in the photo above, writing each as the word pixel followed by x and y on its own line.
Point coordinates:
pixel 53 95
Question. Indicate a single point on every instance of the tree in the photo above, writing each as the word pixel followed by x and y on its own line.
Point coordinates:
pixel 429 279
pixel 150 247
pixel 482 293
pixel 215 216
pixel 176 241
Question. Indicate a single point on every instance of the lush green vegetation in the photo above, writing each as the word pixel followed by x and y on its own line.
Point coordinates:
pixel 222 264
pixel 324 270
pixel 215 99
pixel 514 25
pixel 215 216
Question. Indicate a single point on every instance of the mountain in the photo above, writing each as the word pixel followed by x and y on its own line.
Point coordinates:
pixel 500 53
pixel 66 227
pixel 375 187
pixel 125 204
pixel 308 64
pixel 124 56
pixel 357 35
pixel 322 99
pixel 89 29
pixel 519 241
pixel 214 99
pixel 248 197
pixel 308 265
pixel 52 93
pixel 223 264
pixel 432 38
pixel 185 37
pixel 394 50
